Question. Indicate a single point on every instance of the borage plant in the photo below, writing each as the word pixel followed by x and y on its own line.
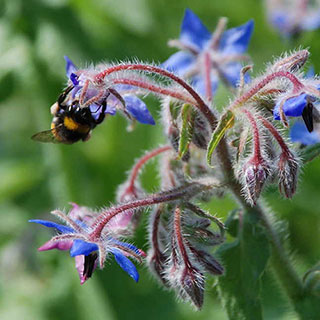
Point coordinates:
pixel 239 150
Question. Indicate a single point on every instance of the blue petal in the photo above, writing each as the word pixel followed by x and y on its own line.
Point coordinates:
pixel 299 133
pixel 126 264
pixel 179 62
pixel 199 84
pixel 70 67
pixel 293 107
pixel 96 110
pixel 193 31
pixel 236 40
pixel 80 247
pixel 138 109
pixel 50 224
pixel 74 79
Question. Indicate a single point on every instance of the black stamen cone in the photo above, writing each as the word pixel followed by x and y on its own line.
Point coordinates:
pixel 307 116
pixel 89 262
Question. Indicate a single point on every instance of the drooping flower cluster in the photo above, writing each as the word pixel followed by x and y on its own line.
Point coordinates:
pixel 180 258
pixel 252 150
pixel 90 251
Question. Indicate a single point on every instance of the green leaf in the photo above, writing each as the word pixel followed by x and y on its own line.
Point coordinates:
pixel 226 122
pixel 188 115
pixel 174 110
pixel 244 260
pixel 309 153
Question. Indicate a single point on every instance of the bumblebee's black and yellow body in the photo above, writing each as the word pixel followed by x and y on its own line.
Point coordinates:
pixel 70 123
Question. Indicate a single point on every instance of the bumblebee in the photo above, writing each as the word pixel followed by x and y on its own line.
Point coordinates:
pixel 70 122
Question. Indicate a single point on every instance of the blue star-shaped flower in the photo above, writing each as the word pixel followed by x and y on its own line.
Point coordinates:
pixel 296 106
pixel 75 241
pixel 119 97
pixel 293 106
pixel 196 41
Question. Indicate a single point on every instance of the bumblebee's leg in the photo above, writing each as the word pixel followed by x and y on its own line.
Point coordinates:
pixel 102 114
pixel 63 95
pixel 94 99
pixel 84 92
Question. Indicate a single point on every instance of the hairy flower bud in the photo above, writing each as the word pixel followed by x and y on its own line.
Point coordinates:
pixel 288 173
pixel 209 263
pixel 192 283
pixel 157 263
pixel 293 62
pixel 255 172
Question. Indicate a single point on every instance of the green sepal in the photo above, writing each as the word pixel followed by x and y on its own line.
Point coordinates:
pixel 187 115
pixel 174 110
pixel 226 122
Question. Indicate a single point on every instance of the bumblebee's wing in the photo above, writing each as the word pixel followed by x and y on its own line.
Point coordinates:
pixel 45 136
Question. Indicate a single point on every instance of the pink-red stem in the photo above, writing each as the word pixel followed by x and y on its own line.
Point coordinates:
pixel 276 135
pixel 106 216
pixel 142 161
pixel 201 105
pixel 256 136
pixel 297 85
pixel 207 75
pixel 156 89
pixel 179 237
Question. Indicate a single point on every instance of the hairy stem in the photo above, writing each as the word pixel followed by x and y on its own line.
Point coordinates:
pixel 207 75
pixel 275 134
pixel 201 105
pixel 155 89
pixel 297 85
pixel 179 237
pixel 256 136
pixel 305 305
pixel 188 190
pixel 280 258
pixel 135 171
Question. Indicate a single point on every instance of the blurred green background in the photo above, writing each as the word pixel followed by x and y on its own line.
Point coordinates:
pixel 37 178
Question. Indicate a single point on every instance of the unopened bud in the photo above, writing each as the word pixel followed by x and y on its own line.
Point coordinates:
pixel 256 172
pixel 288 173
pixel 157 263
pixel 209 263
pixel 205 236
pixel 292 63
pixel 192 282
pixel 82 213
